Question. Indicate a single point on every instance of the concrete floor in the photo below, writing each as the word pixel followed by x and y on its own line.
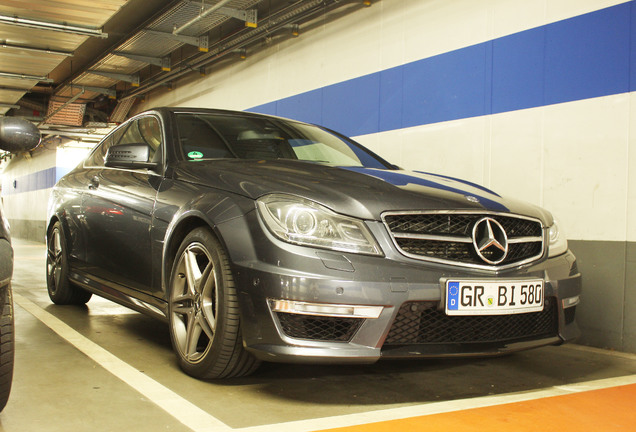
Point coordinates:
pixel 105 368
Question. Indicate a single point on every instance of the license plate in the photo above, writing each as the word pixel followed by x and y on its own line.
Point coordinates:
pixel 470 297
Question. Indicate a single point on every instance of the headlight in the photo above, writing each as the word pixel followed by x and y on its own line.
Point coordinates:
pixel 558 242
pixel 300 221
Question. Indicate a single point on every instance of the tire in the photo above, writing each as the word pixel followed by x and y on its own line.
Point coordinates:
pixel 203 311
pixel 61 290
pixel 7 346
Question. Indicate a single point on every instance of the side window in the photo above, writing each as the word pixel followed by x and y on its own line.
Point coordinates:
pixel 145 130
pixel 199 139
pixel 96 159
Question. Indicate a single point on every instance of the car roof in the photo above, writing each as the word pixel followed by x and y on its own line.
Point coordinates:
pixel 173 110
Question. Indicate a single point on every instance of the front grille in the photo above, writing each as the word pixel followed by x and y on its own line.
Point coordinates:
pixel 423 323
pixel 432 223
pixel 454 251
pixel 318 328
pixel 448 238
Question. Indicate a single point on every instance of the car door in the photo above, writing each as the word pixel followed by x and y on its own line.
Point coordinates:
pixel 117 208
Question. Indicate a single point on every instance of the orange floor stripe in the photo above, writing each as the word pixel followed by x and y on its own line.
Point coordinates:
pixel 606 410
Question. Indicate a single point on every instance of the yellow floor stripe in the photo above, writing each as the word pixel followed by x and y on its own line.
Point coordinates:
pixel 367 419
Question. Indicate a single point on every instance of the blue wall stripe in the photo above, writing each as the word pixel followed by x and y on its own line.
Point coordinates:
pixel 44 179
pixel 632 68
pixel 584 57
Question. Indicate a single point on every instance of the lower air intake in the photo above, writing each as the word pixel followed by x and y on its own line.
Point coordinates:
pixel 422 323
pixel 318 328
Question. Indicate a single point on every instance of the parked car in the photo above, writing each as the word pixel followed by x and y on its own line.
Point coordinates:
pixel 260 238
pixel 16 135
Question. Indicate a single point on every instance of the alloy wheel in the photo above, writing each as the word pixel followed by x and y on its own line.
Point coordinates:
pixel 193 303
pixel 54 259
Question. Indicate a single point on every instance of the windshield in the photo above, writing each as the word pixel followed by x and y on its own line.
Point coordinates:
pixel 217 136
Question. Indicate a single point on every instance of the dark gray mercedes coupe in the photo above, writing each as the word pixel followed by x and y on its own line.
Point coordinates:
pixel 260 238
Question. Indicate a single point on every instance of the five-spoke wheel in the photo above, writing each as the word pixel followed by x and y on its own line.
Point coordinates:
pixel 203 308
pixel 193 302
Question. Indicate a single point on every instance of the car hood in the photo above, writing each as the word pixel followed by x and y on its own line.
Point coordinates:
pixel 360 192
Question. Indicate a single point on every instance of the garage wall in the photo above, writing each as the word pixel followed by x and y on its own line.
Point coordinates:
pixel 27 181
pixel 535 99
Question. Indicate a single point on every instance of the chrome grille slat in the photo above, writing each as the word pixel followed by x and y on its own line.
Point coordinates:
pixel 525 239
pixel 446 237
pixel 432 237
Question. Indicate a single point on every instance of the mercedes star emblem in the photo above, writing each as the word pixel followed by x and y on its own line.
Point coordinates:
pixel 490 240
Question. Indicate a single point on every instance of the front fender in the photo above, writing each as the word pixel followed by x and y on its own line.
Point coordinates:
pixel 180 208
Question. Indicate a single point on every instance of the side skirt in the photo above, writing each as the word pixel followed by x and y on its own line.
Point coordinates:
pixel 124 296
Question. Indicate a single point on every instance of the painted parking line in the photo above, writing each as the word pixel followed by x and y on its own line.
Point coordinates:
pixel 181 409
pixel 617 354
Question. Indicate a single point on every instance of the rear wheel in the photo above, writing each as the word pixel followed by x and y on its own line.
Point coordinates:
pixel 61 290
pixel 203 307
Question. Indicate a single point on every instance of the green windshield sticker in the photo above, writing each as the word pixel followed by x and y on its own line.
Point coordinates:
pixel 195 155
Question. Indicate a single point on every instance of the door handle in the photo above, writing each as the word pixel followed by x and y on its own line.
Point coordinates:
pixel 94 183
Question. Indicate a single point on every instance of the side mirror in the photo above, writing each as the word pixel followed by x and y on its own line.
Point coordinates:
pixel 18 135
pixel 131 156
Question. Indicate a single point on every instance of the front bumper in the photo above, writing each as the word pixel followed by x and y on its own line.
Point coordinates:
pixel 403 291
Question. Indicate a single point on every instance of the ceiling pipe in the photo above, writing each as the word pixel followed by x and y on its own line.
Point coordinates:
pixel 84 136
pixel 12 75
pixel 16 89
pixel 43 25
pixel 34 49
